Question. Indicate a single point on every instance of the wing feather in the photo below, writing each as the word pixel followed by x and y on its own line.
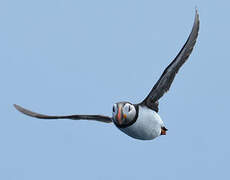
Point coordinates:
pixel 100 118
pixel 167 77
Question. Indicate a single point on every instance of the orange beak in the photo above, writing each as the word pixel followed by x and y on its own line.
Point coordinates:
pixel 119 116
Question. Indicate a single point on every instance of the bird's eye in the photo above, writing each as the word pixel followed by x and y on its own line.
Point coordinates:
pixel 129 108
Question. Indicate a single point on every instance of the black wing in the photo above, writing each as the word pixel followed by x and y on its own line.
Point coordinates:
pixel 100 118
pixel 166 79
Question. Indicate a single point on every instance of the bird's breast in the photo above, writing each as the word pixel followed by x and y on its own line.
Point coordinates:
pixel 147 126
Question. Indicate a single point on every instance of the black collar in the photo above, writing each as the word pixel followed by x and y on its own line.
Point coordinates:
pixel 131 122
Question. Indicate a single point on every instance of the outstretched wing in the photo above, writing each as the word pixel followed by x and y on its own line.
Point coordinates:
pixel 166 79
pixel 100 118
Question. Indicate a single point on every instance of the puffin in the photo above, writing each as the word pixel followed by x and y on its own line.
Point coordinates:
pixel 140 121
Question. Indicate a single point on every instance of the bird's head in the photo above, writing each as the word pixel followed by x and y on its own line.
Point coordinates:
pixel 124 113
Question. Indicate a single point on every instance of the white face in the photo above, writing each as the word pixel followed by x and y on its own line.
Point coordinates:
pixel 123 113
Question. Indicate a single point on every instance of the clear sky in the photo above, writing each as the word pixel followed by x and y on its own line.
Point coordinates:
pixel 68 57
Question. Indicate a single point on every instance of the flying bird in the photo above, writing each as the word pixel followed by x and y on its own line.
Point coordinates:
pixel 140 121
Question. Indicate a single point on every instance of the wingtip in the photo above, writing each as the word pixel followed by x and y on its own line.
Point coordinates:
pixel 16 106
pixel 19 108
pixel 26 111
pixel 196 9
pixel 196 13
pixel 197 19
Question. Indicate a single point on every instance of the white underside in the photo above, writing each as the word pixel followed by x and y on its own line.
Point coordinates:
pixel 147 127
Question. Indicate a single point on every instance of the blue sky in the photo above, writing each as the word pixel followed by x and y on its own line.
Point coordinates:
pixel 69 57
